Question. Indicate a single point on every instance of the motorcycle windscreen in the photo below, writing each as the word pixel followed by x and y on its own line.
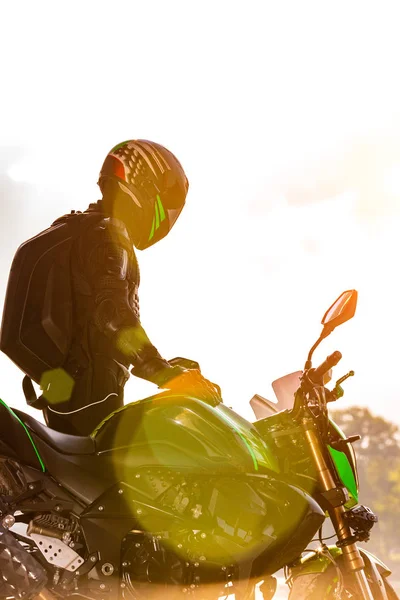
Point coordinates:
pixel 285 388
pixel 263 408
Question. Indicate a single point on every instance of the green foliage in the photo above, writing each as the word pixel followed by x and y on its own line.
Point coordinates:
pixel 378 435
pixel 378 458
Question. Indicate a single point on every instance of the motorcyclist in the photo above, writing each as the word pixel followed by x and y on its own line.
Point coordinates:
pixel 143 190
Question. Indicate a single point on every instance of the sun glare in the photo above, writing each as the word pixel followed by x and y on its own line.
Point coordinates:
pixel 18 173
pixel 392 180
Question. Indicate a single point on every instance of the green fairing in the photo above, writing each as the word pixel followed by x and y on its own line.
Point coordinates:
pixel 179 427
pixel 27 433
pixel 286 438
pixel 345 471
pixel 337 428
pixel 246 443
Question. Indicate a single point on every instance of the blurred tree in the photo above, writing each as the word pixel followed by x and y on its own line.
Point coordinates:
pixel 378 457
pixel 377 434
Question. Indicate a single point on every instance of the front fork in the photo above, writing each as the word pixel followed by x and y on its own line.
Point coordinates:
pixel 352 558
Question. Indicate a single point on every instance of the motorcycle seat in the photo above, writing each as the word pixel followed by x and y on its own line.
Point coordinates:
pixel 62 442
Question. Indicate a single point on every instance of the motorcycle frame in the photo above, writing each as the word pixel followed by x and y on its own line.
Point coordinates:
pixel 105 523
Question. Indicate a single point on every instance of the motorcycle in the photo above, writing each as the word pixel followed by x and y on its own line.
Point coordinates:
pixel 174 497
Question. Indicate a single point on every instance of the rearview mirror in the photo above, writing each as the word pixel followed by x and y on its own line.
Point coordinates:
pixel 341 310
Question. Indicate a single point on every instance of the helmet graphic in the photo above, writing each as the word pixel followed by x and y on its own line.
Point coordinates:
pixel 150 188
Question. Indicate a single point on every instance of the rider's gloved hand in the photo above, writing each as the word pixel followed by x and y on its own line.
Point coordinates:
pixel 192 383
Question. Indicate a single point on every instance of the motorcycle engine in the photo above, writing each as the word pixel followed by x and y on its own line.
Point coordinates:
pixel 151 568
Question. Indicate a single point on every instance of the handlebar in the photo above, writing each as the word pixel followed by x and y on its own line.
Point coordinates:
pixel 316 375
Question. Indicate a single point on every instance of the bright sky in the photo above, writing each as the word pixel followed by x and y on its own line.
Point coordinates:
pixel 285 116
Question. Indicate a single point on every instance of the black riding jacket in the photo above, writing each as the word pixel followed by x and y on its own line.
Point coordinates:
pixel 106 279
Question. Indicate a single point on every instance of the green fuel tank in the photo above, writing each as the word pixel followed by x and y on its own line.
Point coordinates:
pixel 205 475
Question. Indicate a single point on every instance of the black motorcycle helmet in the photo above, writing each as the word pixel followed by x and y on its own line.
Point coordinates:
pixel 145 185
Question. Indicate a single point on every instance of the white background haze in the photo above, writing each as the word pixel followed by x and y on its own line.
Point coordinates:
pixel 285 116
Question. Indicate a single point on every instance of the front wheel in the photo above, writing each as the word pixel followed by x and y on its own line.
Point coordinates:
pixel 324 586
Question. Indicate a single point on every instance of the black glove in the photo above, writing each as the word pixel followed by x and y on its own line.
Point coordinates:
pixel 193 383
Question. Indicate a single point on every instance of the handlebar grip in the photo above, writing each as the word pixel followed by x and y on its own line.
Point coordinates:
pixel 316 375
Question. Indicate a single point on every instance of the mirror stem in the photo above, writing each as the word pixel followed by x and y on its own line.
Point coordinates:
pixel 325 332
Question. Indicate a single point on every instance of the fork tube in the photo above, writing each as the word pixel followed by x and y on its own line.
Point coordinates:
pixel 351 554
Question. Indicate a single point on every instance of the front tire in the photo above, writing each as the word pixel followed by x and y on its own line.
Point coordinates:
pixel 322 586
